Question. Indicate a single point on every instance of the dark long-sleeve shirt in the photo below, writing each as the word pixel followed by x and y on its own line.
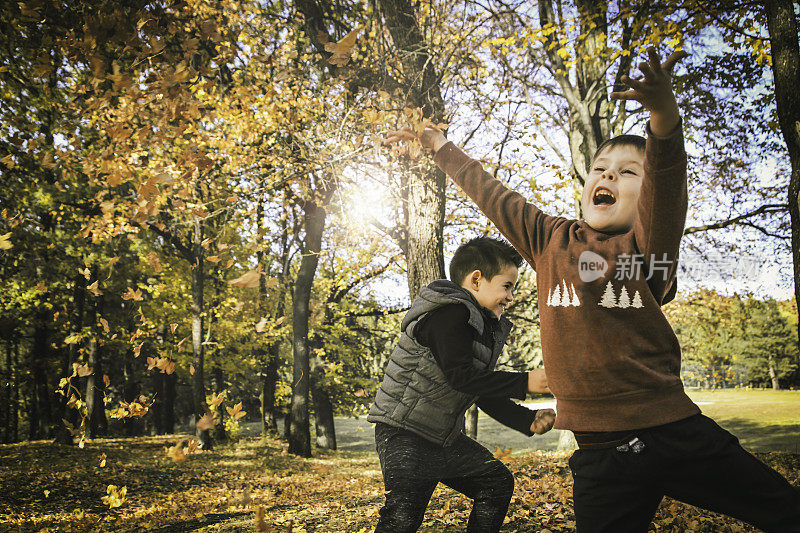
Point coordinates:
pixel 449 336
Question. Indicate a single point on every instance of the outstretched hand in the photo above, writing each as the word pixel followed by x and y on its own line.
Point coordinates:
pixel 543 421
pixel 431 138
pixel 654 91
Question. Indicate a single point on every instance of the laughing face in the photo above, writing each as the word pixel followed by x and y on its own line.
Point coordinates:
pixel 494 294
pixel 611 192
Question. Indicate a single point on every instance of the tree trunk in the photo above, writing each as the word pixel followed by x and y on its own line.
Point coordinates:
pixel 472 422
pixel 424 196
pixel 198 383
pixel 299 431
pixel 41 415
pixel 95 386
pixel 782 25
pixel 130 392
pixel 269 382
pixel 63 435
pixel 773 375
pixel 6 407
pixel 14 407
pixel 323 408
pixel 220 435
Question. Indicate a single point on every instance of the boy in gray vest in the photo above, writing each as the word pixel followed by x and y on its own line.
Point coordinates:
pixel 443 363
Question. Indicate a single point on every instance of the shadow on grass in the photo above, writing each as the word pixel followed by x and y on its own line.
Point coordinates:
pixel 763 437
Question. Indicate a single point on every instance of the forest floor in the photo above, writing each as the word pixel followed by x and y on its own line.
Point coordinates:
pixel 239 485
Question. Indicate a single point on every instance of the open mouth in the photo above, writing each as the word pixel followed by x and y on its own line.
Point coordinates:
pixel 603 196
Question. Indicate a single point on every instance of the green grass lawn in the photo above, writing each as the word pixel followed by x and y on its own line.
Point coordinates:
pixel 764 420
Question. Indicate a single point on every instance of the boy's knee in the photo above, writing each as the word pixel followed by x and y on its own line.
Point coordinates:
pixel 399 519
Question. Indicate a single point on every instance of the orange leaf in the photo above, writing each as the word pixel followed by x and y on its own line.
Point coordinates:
pixel 206 422
pixel 173 327
pixel 248 280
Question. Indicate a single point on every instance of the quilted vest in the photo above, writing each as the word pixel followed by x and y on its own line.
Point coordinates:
pixel 414 394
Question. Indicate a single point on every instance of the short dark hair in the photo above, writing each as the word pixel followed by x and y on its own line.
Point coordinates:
pixel 486 254
pixel 634 141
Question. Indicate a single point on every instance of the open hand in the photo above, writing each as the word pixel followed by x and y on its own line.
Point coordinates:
pixel 537 381
pixel 543 421
pixel 654 91
pixel 431 138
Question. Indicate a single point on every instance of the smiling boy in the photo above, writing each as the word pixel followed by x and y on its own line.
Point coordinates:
pixel 442 364
pixel 612 359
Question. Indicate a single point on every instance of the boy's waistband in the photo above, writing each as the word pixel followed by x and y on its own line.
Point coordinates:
pixel 602 439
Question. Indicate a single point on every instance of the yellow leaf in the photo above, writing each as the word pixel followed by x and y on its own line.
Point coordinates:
pixel 280 321
pixel 261 324
pixel 115 496
pixel 173 327
pixel 8 161
pixel 93 288
pixel 4 242
pixel 176 453
pixel 191 369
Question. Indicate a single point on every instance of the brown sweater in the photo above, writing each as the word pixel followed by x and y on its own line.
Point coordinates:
pixel 612 359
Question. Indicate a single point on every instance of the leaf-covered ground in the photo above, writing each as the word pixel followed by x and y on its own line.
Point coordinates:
pixel 50 487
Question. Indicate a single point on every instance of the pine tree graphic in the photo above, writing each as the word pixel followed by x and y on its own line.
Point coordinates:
pixel 556 300
pixel 550 297
pixel 637 300
pixel 565 299
pixel 624 299
pixel 575 301
pixel 609 299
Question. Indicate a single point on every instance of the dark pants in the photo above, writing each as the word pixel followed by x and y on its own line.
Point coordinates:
pixel 412 467
pixel 691 460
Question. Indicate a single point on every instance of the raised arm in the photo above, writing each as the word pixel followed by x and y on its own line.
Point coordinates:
pixel 663 198
pixel 522 223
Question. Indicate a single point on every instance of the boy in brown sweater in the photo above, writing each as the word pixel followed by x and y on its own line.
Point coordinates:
pixel 612 359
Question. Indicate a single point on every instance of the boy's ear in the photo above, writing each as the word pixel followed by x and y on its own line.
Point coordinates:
pixel 474 277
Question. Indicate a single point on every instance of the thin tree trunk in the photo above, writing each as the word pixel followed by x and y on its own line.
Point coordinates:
pixel 41 415
pixel 471 422
pixel 299 430
pixel 785 50
pixel 220 435
pixel 95 387
pixel 6 407
pixel 15 394
pixel 269 381
pixel 198 383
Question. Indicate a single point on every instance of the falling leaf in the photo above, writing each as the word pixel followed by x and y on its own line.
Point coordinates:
pixel 131 294
pixel 249 280
pixel 115 496
pixel 236 412
pixel 93 288
pixel 272 283
pixel 207 421
pixel 261 324
pixel 106 380
pixel 104 323
pixel 261 525
pixel 84 370
pixel 191 369
pixel 152 362
pixel 176 453
pixel 46 493
pixel 216 399
pixel 173 327
pixel 5 244
pixel 214 259
pixel 102 460
pixel 342 49
pixel 280 321
pixel 361 393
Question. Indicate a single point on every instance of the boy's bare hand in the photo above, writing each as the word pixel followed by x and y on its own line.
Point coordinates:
pixel 543 421
pixel 537 381
pixel 431 138
pixel 654 91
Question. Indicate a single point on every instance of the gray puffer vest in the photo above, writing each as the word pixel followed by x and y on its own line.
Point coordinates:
pixel 414 394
